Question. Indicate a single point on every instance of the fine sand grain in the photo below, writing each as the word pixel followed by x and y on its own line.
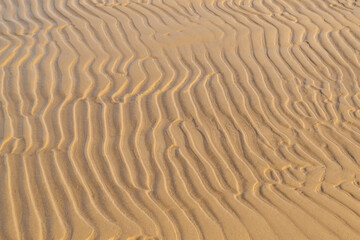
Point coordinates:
pixel 180 119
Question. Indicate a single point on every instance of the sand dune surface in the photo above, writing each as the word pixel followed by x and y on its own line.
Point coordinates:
pixel 180 119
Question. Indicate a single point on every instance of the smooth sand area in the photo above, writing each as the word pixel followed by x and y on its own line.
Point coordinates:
pixel 180 119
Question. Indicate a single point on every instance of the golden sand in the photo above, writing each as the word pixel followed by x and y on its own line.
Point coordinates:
pixel 180 119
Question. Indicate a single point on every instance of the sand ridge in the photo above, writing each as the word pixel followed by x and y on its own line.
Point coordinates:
pixel 179 119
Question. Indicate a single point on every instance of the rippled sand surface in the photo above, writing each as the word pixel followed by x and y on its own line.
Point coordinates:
pixel 180 119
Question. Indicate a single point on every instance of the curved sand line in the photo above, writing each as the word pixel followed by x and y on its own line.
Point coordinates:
pixel 192 119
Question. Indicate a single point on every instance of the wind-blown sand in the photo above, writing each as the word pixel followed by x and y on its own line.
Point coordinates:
pixel 180 119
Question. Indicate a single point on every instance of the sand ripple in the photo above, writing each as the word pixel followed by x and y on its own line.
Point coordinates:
pixel 180 119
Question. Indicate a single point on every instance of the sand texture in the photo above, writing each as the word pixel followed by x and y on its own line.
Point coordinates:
pixel 180 119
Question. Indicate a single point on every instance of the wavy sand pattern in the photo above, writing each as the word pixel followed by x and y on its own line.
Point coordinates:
pixel 180 119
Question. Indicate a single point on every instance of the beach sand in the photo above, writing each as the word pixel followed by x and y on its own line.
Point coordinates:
pixel 180 119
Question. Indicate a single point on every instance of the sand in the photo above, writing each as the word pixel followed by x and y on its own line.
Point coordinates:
pixel 180 119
